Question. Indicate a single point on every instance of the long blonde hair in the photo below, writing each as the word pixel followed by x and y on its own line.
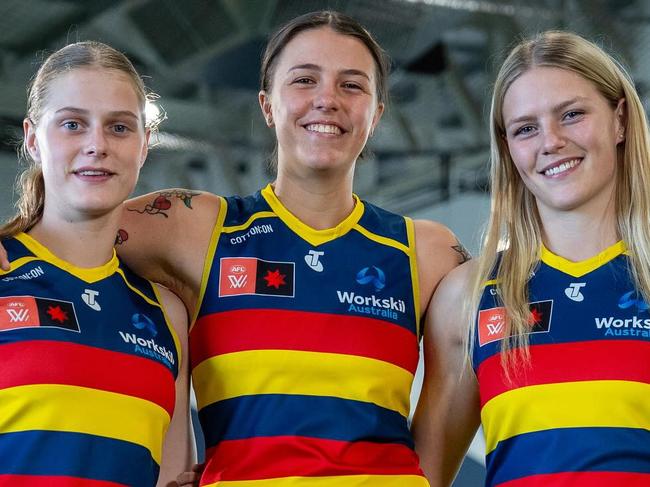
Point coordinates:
pixel 514 221
pixel 30 186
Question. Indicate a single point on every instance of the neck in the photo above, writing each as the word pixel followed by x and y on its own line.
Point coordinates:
pixel 318 202
pixel 579 235
pixel 84 243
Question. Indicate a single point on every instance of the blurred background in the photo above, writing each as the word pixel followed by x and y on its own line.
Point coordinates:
pixel 430 152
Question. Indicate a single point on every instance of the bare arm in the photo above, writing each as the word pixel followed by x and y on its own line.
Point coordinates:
pixel 448 412
pixel 438 252
pixel 164 236
pixel 178 449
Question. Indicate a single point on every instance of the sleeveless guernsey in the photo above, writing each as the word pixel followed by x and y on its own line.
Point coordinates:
pixel 304 349
pixel 88 364
pixel 579 414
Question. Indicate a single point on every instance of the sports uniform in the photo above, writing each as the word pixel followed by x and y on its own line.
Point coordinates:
pixel 304 348
pixel 579 413
pixel 88 364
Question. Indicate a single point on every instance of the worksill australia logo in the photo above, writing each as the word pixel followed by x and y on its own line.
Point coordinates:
pixel 628 327
pixel 373 304
pixel 144 346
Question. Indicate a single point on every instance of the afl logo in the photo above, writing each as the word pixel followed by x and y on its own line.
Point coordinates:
pixel 238 268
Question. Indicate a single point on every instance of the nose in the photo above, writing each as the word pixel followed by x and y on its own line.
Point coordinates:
pixel 326 97
pixel 553 139
pixel 96 144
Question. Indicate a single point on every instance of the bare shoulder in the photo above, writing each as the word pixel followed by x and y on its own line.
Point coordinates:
pixel 170 208
pixel 438 252
pixel 164 236
pixel 433 238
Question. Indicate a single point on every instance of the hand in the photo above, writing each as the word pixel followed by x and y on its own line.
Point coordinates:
pixel 191 478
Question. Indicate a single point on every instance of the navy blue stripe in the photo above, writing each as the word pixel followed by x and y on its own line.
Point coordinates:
pixel 569 450
pixel 313 416
pixel 76 455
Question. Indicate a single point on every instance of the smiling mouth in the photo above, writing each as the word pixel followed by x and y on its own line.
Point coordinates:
pixel 322 128
pixel 565 166
pixel 93 172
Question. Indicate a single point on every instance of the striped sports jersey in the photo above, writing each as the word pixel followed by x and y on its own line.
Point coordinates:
pixel 304 349
pixel 579 414
pixel 88 364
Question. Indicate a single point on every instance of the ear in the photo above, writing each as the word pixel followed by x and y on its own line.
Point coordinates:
pixel 379 111
pixel 265 104
pixel 621 120
pixel 31 142
pixel 145 147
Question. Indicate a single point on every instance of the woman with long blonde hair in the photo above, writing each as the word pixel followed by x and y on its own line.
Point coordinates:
pixel 556 362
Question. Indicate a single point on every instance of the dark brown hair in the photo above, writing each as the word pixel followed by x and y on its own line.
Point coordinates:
pixel 339 23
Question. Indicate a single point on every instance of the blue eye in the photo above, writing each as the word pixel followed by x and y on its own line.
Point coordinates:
pixel 119 128
pixel 525 130
pixel 572 114
pixel 71 125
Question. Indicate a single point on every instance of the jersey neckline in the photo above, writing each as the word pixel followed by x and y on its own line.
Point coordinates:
pixel 312 235
pixel 88 274
pixel 579 269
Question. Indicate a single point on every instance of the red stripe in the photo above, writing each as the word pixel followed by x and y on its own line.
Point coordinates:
pixel 569 362
pixel 51 481
pixel 265 329
pixel 287 456
pixel 56 362
pixel 582 479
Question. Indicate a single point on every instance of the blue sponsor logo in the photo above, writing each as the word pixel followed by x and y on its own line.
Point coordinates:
pixel 630 299
pixel 372 275
pixel 143 322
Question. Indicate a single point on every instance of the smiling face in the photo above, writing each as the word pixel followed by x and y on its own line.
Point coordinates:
pixel 323 101
pixel 90 141
pixel 562 135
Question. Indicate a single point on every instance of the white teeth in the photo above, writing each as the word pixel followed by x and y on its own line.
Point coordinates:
pixel 323 129
pixel 562 167
pixel 92 173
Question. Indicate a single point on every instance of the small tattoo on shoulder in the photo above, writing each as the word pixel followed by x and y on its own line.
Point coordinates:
pixel 121 237
pixel 162 202
pixel 464 254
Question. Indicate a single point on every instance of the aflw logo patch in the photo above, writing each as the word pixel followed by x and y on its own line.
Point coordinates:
pixel 250 275
pixel 30 312
pixel 492 323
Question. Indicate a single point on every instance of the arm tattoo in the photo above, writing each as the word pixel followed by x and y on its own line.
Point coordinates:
pixel 121 237
pixel 162 202
pixel 464 254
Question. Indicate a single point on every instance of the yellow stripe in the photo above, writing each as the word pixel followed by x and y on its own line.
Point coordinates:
pixel 137 291
pixel 18 263
pixel 565 405
pixel 209 257
pixel 89 275
pixel 382 240
pixel 170 327
pixel 57 407
pixel 415 277
pixel 579 269
pixel 314 374
pixel 339 481
pixel 255 216
pixel 311 235
pixel 490 282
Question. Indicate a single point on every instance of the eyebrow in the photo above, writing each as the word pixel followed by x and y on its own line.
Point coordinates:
pixel 116 113
pixel 557 108
pixel 315 67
